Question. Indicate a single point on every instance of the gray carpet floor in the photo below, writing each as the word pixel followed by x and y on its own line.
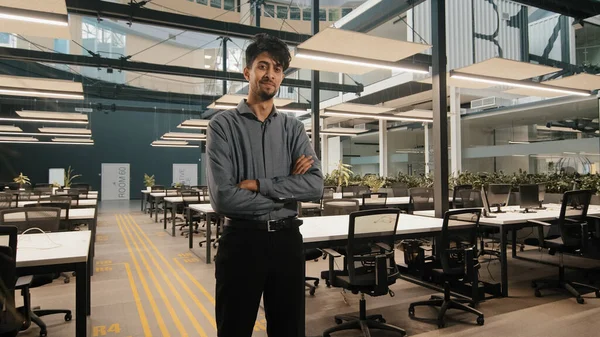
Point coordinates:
pixel 148 283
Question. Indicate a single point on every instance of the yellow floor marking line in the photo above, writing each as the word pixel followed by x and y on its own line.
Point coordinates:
pixel 161 292
pixel 175 292
pixel 138 302
pixel 206 313
pixel 157 314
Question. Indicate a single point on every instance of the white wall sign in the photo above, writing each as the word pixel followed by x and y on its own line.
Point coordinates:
pixel 56 175
pixel 115 182
pixel 186 174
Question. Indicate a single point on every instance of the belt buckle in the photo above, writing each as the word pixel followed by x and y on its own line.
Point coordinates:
pixel 273 225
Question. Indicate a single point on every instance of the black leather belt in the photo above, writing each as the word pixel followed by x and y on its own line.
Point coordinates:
pixel 268 225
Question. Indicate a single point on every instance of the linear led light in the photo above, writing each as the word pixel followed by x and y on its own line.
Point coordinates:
pixel 22 139
pixel 326 133
pixel 40 120
pixel 518 84
pixel 40 93
pixel 55 143
pixel 10 128
pixel 11 13
pixel 518 142
pixel 196 124
pixel 164 145
pixel 357 61
pixel 183 138
pixel 184 135
pixel 168 142
pixel 72 140
pixel 44 134
pixel 375 116
pixel 66 130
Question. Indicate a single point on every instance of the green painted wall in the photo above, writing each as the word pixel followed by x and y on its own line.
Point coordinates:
pixel 120 137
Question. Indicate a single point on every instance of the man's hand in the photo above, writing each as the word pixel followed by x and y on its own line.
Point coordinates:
pixel 302 164
pixel 250 185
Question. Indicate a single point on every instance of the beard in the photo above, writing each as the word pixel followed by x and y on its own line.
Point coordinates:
pixel 265 96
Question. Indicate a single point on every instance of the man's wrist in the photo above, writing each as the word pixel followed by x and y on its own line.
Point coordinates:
pixel 257 185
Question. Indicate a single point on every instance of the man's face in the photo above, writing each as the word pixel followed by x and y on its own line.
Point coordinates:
pixel 264 76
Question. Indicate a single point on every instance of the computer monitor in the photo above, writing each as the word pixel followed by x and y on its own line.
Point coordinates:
pixel 484 200
pixel 542 193
pixel 529 196
pixel 497 195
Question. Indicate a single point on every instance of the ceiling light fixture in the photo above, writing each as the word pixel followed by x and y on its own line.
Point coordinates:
pixel 64 117
pixel 375 116
pixel 166 145
pixel 22 139
pixel 44 134
pixel 72 140
pixel 518 142
pixel 36 120
pixel 55 19
pixel 55 143
pixel 198 124
pixel 10 128
pixel 40 93
pixel 66 130
pixel 518 84
pixel 184 135
pixel 357 61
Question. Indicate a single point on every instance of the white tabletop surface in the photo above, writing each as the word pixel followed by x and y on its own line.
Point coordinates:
pixel 82 202
pixel 74 214
pixel 163 194
pixel 38 249
pixel 205 208
pixel 327 228
pixel 513 215
pixel 180 199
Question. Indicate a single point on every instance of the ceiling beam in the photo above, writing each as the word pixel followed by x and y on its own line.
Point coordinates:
pixel 140 14
pixel 123 64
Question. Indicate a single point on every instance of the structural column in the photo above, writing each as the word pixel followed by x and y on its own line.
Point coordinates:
pixel 314 87
pixel 427 160
pixel 383 148
pixel 455 132
pixel 440 107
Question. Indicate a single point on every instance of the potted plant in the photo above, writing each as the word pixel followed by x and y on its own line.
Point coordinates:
pixel 69 177
pixel 22 180
pixel 55 186
pixel 341 175
pixel 374 182
pixel 149 181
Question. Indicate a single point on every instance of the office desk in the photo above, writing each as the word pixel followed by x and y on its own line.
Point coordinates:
pixel 174 201
pixel 207 210
pixel 155 197
pixel 512 220
pixel 60 252
pixel 83 203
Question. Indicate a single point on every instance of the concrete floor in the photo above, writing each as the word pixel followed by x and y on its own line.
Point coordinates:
pixel 148 283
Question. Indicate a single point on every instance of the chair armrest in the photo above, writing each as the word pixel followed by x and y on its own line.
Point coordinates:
pixel 541 223
pixel 331 252
pixel 572 220
pixel 597 217
pixel 383 246
pixel 584 237
pixel 24 282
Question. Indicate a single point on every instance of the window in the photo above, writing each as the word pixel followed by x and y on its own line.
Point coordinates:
pixel 295 13
pixel 269 10
pixel 306 14
pixel 322 14
pixel 282 12
pixel 334 14
pixel 202 2
pixel 8 40
pixel 229 5
pixel 215 3
pixel 61 46
pixel 346 11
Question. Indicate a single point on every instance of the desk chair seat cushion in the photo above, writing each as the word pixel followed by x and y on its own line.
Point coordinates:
pixel 363 282
pixel 312 254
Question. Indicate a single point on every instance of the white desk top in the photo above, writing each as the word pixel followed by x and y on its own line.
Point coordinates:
pixel 389 201
pixel 82 202
pixel 163 194
pixel 39 249
pixel 512 215
pixel 180 199
pixel 204 208
pixel 328 228
pixel 74 214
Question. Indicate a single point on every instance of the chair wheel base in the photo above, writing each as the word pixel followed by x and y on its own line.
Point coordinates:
pixel 480 320
pixel 68 317
pixel 580 300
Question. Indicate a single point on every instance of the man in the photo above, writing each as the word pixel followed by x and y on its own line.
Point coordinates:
pixel 260 164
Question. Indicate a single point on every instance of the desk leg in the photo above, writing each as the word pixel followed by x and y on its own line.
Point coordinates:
pixel 208 237
pixel 142 203
pixel 82 299
pixel 151 201
pixel 514 242
pixel 503 261
pixel 191 231
pixel 165 216
pixel 173 211
pixel 156 210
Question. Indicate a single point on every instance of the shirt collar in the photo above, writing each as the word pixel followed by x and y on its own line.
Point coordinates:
pixel 244 109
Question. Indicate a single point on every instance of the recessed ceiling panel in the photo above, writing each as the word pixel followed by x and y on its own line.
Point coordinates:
pixel 510 69
pixel 361 108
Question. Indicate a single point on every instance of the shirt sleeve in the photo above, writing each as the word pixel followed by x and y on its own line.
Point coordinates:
pixel 300 187
pixel 225 197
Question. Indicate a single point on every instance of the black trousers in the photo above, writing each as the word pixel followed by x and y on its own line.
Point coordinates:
pixel 251 263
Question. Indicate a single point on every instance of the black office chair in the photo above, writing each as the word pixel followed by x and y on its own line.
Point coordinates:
pixel 468 198
pixel 373 201
pixel 48 220
pixel 457 196
pixel 421 198
pixel 11 319
pixel 6 200
pixel 340 206
pixel 572 230
pixel 370 272
pixel 455 262
pixel 309 255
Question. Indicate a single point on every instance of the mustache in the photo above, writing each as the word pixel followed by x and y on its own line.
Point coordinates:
pixel 268 82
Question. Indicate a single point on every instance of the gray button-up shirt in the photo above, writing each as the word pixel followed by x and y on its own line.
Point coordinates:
pixel 240 147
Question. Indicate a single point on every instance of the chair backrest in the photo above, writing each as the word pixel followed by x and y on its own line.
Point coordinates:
pixel 6 200
pixel 376 229
pixel 421 198
pixel 157 188
pixel 468 198
pixel 10 319
pixel 373 200
pixel 400 189
pixel 574 207
pixel 354 191
pixel 45 218
pixel 340 206
pixel 459 228
pixel 456 199
pixel 191 197
pixel 84 188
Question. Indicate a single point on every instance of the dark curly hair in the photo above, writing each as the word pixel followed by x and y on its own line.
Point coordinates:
pixel 266 43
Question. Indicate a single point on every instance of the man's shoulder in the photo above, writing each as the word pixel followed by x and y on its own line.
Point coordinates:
pixel 223 116
pixel 292 121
